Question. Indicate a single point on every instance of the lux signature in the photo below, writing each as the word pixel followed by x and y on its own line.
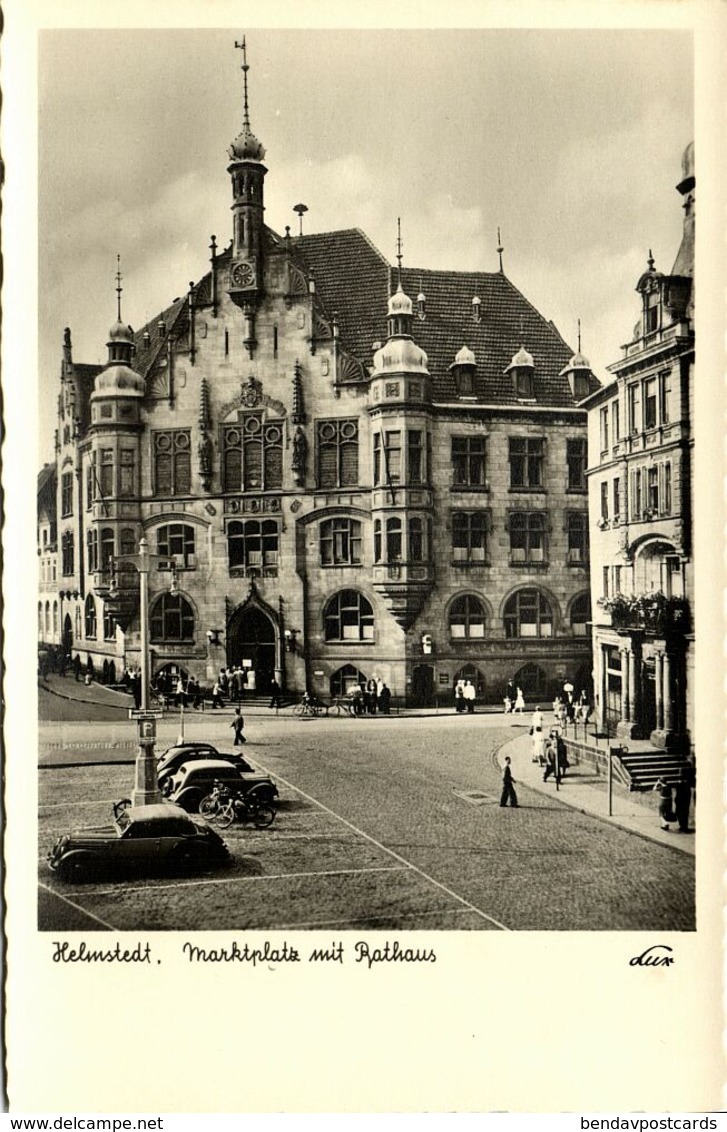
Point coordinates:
pixel 653 957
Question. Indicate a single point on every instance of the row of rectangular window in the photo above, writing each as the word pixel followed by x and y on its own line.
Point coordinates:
pixel 648 405
pixel 650 494
pixel 252 460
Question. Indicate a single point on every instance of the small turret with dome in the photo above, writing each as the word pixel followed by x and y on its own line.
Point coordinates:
pixel 118 379
pixel 464 372
pixel 400 353
pixel 522 369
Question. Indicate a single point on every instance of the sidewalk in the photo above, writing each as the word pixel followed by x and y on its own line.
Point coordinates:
pixel 68 688
pixel 585 791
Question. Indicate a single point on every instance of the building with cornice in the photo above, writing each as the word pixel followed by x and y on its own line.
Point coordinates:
pixel 641 443
pixel 351 482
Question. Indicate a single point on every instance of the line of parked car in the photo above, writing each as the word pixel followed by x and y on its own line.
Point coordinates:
pixel 149 838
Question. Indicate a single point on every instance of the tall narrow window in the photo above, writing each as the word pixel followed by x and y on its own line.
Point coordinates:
pixel 526 462
pixel 377 540
pixel 468 461
pixel 393 540
pixel 127 472
pixel 92 550
pixel 67 553
pixel 414 456
pixel 337 453
pixel 90 616
pixel 616 497
pixel 634 403
pixel 66 494
pixel 416 539
pixel 377 458
pixel 653 490
pixel 667 489
pixel 392 456
pixel 106 548
pixel 172 462
pixel 604 428
pixel 665 397
pixel 253 455
pixel 650 403
pixel 577 458
pixel 616 420
pixel 604 502
pixel 90 479
pixel 106 472
pixel 578 537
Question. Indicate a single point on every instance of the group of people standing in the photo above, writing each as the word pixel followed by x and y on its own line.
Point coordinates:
pixel 370 696
pixel 514 699
pixel 465 695
pixel 674 807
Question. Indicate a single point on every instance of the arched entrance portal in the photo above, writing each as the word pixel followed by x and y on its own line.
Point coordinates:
pixel 252 644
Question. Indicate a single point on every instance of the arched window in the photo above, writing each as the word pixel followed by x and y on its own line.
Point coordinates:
pixel 252 457
pixel 528 614
pixel 47 619
pixel 349 617
pixel 40 620
pixel 345 679
pixel 393 540
pixel 252 543
pixel 467 617
pixel 176 540
pixel 90 616
pixel 55 620
pixel 340 542
pixel 580 615
pixel 171 619
pixel 92 550
pixel 533 681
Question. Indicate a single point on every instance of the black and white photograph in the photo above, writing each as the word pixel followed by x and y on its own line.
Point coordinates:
pixel 367 495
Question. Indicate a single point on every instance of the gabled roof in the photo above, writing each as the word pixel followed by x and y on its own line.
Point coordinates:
pixel 354 281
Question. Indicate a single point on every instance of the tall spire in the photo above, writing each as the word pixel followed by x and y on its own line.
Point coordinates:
pixel 500 248
pixel 579 336
pixel 244 68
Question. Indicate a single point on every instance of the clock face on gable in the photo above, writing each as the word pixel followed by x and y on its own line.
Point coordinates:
pixel 242 274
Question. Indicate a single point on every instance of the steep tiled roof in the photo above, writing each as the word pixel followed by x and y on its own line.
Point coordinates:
pixel 354 280
pixel 46 474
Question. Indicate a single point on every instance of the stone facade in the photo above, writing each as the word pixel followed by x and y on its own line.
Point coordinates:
pixel 640 446
pixel 341 492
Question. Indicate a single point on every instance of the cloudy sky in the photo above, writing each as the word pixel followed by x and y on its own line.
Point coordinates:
pixel 569 141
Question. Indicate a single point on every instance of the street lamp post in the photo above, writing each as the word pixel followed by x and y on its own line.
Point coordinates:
pixel 146 789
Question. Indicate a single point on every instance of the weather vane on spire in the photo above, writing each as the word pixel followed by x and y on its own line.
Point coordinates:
pixel 398 246
pixel 118 287
pixel 579 336
pixel 245 67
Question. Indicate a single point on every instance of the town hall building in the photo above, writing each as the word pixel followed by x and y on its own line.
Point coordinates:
pixel 343 469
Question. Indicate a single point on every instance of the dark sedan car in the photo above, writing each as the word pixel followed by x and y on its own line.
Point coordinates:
pixel 193 780
pixel 141 839
pixel 171 760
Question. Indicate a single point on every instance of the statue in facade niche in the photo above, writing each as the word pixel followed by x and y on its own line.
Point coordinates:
pixel 204 454
pixel 300 449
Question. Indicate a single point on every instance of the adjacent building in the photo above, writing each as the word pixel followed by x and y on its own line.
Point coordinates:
pixel 344 469
pixel 641 440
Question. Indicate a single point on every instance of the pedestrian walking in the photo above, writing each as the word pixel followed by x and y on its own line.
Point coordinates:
pixel 508 785
pixel 556 759
pixel 538 746
pixel 459 700
pixel 237 725
pixel 683 798
pixel 217 695
pixel 276 697
pixel 370 696
pixel 519 701
pixel 536 722
pixel 384 699
pixel 470 696
pixel 666 809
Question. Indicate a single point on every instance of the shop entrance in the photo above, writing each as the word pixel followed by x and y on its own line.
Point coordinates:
pixel 422 685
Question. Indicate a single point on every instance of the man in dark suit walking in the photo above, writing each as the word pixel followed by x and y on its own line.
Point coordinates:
pixel 508 785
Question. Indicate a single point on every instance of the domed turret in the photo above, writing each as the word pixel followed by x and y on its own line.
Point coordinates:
pixel 522 369
pixel 119 379
pixel 464 371
pixel 400 355
pixel 399 303
pixel 246 147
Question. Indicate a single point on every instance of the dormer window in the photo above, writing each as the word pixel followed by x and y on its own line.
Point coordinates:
pixel 421 306
pixel 464 371
pixel 523 382
pixel 476 308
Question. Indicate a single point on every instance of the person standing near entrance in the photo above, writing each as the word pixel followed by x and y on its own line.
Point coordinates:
pixel 470 696
pixel 276 698
pixel 508 785
pixel 683 798
pixel 237 725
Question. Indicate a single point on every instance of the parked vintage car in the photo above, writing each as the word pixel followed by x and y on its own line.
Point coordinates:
pixel 172 759
pixel 193 780
pixel 140 839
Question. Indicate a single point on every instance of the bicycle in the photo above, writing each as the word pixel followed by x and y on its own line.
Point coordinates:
pixel 307 709
pixel 340 706
pixel 247 807
pixel 211 804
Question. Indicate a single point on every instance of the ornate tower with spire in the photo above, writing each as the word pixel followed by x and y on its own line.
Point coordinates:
pixel 247 173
